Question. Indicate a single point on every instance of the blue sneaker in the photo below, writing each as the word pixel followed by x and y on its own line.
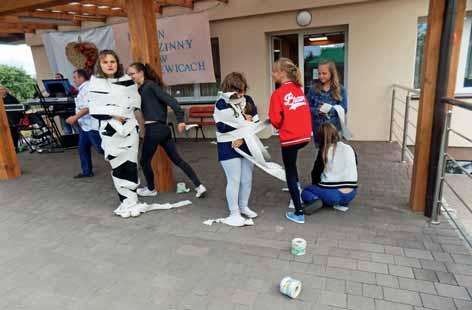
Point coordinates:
pixel 300 219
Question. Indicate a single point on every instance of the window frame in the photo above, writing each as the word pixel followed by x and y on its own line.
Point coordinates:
pixel 464 52
pixel 460 89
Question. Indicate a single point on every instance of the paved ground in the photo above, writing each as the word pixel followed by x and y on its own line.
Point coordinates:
pixel 63 249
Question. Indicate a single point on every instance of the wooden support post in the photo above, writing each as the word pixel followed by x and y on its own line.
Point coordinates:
pixel 145 48
pixel 9 167
pixel 439 68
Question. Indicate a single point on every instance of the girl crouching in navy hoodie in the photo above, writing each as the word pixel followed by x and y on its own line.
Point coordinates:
pixel 334 176
pixel 290 114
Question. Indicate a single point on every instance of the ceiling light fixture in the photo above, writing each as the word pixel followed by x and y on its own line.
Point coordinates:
pixel 315 39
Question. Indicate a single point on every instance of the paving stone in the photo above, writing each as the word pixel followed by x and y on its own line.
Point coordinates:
pixel 333 299
pixel 446 278
pixel 418 254
pixel 401 271
pixel 402 296
pixel 463 304
pixel 437 302
pixel 335 285
pixel 383 258
pixel 244 297
pixel 417 285
pixel 459 268
pixel 452 291
pixel 407 261
pixel 345 263
pixel 463 280
pixel 443 257
pixel 354 288
pixel 462 259
pixel 373 267
pixel 372 291
pixel 426 275
pixel 387 280
pixel 397 251
pixel 433 265
pixel 387 305
pixel 360 303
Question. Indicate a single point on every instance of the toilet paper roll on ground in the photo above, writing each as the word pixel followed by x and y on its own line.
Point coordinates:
pixel 298 247
pixel 290 287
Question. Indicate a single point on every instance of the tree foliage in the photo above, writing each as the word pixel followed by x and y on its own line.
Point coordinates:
pixel 17 81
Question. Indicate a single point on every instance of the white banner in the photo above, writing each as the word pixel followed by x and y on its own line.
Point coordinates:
pixel 55 44
pixel 184 45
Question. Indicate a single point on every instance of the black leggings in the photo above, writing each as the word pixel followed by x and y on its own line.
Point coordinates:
pixel 159 134
pixel 289 157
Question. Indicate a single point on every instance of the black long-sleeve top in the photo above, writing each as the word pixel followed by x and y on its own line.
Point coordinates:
pixel 154 102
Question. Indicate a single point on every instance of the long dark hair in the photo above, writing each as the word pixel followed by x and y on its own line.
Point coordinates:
pixel 98 69
pixel 328 136
pixel 149 73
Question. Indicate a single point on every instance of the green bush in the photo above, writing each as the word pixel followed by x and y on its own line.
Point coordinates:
pixel 17 81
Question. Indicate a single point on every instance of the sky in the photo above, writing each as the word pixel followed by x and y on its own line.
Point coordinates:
pixel 17 56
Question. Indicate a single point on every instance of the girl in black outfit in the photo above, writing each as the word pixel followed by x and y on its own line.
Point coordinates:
pixel 154 102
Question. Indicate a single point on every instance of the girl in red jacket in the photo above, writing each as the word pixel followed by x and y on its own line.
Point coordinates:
pixel 289 112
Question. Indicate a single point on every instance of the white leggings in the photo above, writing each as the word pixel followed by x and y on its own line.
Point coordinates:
pixel 238 173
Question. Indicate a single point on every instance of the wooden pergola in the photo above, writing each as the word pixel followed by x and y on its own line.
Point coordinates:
pixel 445 24
pixel 18 17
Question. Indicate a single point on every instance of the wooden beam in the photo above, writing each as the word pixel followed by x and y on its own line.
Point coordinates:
pixel 9 167
pixel 144 48
pixel 446 84
pixel 183 3
pixel 15 6
pixel 428 101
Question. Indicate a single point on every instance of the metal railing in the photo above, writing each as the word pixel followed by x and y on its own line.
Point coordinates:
pixel 444 156
pixel 400 119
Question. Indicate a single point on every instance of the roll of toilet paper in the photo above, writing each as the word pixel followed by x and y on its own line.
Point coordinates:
pixel 298 247
pixel 290 287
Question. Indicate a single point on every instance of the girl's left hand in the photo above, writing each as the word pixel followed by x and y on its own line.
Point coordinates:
pixel 237 143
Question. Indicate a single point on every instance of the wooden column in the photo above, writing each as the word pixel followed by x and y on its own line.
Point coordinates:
pixel 437 54
pixel 9 167
pixel 145 48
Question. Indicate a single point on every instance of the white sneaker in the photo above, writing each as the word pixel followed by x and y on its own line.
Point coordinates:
pixel 291 205
pixel 127 209
pixel 146 192
pixel 248 212
pixel 235 220
pixel 201 190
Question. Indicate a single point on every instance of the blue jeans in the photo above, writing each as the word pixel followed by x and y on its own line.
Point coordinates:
pixel 238 173
pixel 86 140
pixel 329 196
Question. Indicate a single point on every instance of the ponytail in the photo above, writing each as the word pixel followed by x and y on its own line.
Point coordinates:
pixel 149 73
pixel 287 66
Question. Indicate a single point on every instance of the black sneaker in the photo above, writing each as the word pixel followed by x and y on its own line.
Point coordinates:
pixel 311 208
pixel 80 176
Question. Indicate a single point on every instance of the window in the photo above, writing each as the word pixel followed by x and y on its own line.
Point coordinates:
pixel 200 92
pixel 464 70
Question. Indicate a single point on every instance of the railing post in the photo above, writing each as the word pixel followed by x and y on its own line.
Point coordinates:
pixel 392 111
pixel 405 126
pixel 438 189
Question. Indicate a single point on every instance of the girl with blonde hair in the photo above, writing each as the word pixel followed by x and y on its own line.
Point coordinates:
pixel 290 114
pixel 326 94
